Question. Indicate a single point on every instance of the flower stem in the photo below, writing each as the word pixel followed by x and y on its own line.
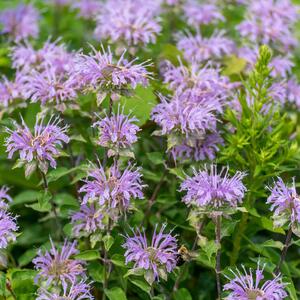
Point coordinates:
pixel 8 286
pixel 46 188
pixel 154 196
pixel 284 250
pixel 105 279
pixel 110 109
pixel 107 264
pixel 238 238
pixel 218 257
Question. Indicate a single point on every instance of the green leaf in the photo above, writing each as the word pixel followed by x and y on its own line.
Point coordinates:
pixel 78 138
pixel 27 257
pixel 26 197
pixel 66 199
pixel 268 225
pixel 291 289
pixel 56 174
pixel 210 248
pixel 182 294
pixel 273 244
pixel 171 53
pixel 115 293
pixel 96 271
pixel 156 158
pixel 19 164
pixel 179 172
pixel 108 242
pixel 134 271
pixel 22 282
pixel 118 260
pixel 43 204
pixel 2 283
pixel 88 255
pixel 141 104
pixel 234 65
pixel 143 285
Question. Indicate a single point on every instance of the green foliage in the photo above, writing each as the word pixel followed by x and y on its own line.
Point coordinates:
pixel 258 146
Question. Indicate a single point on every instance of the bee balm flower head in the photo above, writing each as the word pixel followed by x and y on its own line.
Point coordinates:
pixel 157 258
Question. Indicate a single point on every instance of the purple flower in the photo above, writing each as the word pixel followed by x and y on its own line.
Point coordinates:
pixel 117 132
pixel 158 257
pixel 73 291
pixel 277 92
pixel 185 119
pixel 246 286
pixel 99 70
pixel 51 55
pixel 198 149
pixel 282 66
pixel 285 203
pixel 205 13
pixel 131 22
pixel 198 48
pixel 198 84
pixel 8 228
pixel 4 197
pixel 270 22
pixel 113 189
pixel 87 8
pixel 87 220
pixel 10 91
pixel 293 92
pixel 208 188
pixel 49 88
pixel 42 145
pixel 20 23
pixel 57 265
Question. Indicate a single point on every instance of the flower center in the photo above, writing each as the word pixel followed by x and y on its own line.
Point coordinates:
pixel 254 293
pixel 152 253
pixel 40 139
pixel 59 268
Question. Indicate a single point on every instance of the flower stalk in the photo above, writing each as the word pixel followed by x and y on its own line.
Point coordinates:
pixel 53 208
pixel 218 256
pixel 287 243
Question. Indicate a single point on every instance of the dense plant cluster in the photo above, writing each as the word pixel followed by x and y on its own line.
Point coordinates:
pixel 149 149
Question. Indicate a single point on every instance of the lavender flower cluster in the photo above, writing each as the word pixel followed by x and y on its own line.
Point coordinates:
pixel 8 225
pixel 60 275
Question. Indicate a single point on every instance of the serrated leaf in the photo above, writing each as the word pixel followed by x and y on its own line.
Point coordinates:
pixel 108 241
